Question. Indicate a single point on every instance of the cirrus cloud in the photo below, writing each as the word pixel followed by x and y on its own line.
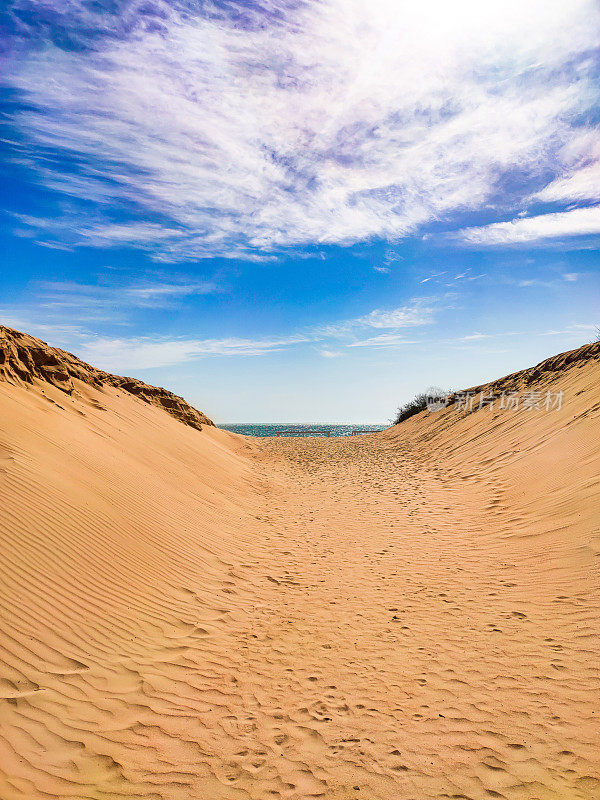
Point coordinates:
pixel 242 130
pixel 544 227
pixel 118 353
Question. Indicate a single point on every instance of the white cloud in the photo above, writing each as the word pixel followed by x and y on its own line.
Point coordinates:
pixel 144 352
pixel 581 164
pixel 581 185
pixel 383 340
pixel 135 353
pixel 44 318
pixel 123 354
pixel 419 311
pixel 472 337
pixel 577 329
pixel 433 276
pixel 114 301
pixel 578 222
pixel 60 334
pixel 327 122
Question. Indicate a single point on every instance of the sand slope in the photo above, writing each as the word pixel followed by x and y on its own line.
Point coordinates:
pixel 190 615
pixel 25 359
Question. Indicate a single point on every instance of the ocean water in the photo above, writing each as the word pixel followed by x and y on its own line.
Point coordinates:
pixel 292 429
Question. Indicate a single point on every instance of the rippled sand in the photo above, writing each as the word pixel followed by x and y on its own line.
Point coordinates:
pixel 189 615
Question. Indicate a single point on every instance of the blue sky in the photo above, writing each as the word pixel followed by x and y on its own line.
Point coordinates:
pixel 301 211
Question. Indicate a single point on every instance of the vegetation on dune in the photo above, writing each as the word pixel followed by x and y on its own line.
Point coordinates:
pixel 419 403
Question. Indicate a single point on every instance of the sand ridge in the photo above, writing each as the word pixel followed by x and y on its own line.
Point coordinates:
pixel 25 359
pixel 193 615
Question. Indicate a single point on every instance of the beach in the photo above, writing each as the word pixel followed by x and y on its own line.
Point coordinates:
pixel 192 614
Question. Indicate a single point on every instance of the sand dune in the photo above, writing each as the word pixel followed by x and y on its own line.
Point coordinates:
pixel 190 615
pixel 25 359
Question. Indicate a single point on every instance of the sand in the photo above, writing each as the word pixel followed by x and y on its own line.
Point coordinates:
pixel 191 615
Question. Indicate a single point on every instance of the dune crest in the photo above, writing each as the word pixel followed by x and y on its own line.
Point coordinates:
pixel 191 615
pixel 24 358
pixel 543 373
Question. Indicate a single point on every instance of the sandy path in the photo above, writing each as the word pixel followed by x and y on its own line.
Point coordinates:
pixel 407 656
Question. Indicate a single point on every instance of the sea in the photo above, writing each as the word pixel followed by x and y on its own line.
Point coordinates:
pixel 293 429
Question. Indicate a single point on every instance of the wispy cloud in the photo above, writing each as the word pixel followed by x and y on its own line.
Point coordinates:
pixel 383 340
pixel 326 353
pixel 432 277
pixel 581 181
pixel 144 352
pixel 577 329
pixel 474 337
pixel 110 301
pixel 237 129
pixel 131 353
pixel 147 352
pixel 541 228
pixel 419 311
pixel 59 334
pixel 389 258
